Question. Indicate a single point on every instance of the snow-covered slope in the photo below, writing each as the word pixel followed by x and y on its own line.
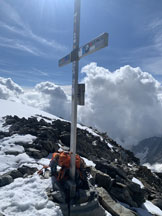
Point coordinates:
pixel 23 197
pixel 21 110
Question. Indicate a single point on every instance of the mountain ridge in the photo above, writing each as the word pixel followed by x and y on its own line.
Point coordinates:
pixel 149 150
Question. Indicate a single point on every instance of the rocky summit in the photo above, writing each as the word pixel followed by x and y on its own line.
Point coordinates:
pixel 117 174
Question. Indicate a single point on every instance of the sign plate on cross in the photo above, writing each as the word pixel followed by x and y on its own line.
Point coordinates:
pixel 94 45
pixel 91 47
pixel 65 60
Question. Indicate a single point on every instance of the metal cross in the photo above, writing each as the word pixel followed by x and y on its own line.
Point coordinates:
pixel 79 89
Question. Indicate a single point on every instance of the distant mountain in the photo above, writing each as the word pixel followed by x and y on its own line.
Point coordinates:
pixel 149 150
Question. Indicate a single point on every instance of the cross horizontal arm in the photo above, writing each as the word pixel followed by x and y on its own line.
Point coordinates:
pixel 90 47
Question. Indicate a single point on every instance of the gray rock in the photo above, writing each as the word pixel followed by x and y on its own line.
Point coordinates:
pixel 12 153
pixel 15 174
pixel 136 193
pixel 27 170
pixel 158 202
pixel 122 193
pixel 116 209
pixel 111 169
pixel 34 153
pixel 102 179
pixel 5 180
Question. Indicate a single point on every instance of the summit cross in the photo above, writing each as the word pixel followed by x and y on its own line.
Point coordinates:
pixel 78 90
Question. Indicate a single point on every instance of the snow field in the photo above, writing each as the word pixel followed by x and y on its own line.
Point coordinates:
pixel 8 145
pixel 27 197
pixel 21 110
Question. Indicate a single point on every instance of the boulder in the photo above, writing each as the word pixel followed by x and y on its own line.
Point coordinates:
pixel 136 193
pixel 3 134
pixel 25 170
pixel 102 179
pixel 115 208
pixel 111 169
pixel 12 153
pixel 157 202
pixel 121 192
pixel 35 153
pixel 15 174
pixel 5 180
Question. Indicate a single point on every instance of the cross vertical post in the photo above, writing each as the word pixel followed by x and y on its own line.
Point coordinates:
pixel 78 89
pixel 75 66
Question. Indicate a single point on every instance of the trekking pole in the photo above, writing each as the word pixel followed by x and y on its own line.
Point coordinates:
pixel 39 172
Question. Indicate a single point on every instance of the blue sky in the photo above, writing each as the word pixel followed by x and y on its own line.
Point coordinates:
pixel 35 34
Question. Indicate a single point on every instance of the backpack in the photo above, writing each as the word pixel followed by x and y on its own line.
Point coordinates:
pixel 64 160
pixel 77 161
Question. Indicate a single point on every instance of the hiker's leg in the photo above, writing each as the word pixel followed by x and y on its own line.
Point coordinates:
pixel 55 183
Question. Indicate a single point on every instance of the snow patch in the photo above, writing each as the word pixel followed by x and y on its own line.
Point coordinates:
pixel 11 162
pixel 135 180
pixel 152 208
pixel 88 162
pixel 94 143
pixel 109 145
pixel 91 131
pixel 16 138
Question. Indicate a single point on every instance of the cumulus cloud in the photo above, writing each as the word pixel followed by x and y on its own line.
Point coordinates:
pixel 125 103
pixel 9 89
pixel 58 101
pixel 46 96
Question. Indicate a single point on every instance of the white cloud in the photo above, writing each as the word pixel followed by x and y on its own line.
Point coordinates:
pixel 9 89
pixel 155 167
pixel 58 100
pixel 124 103
pixel 46 96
